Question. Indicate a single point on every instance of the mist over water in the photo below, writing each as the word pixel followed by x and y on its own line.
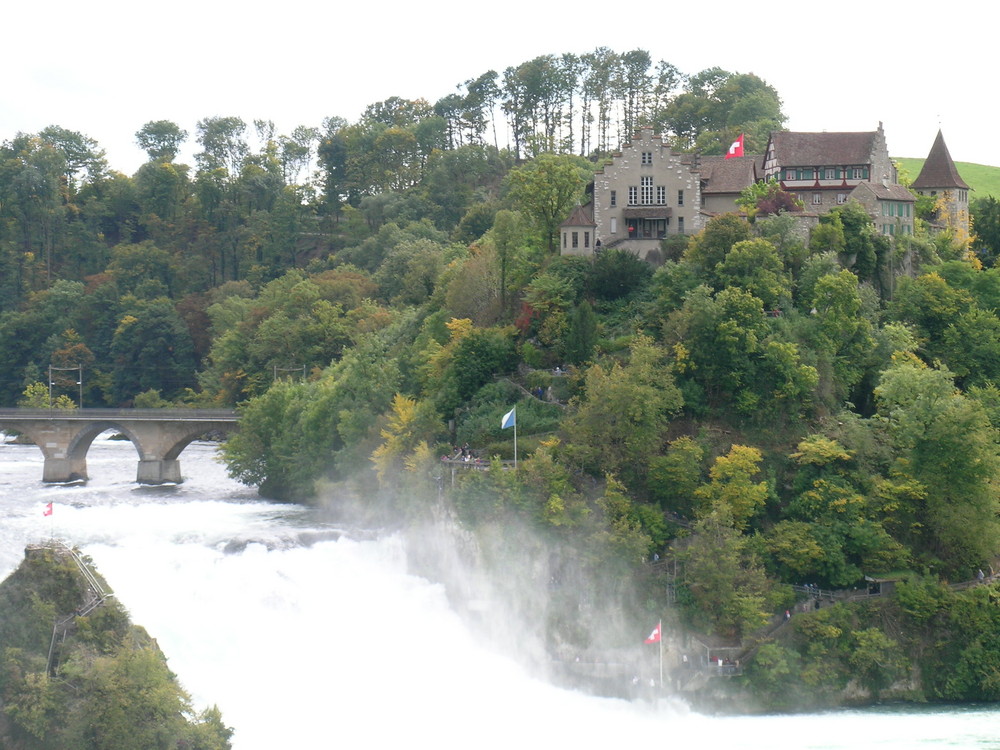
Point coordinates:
pixel 309 638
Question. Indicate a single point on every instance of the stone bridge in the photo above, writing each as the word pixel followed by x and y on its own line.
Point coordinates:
pixel 159 435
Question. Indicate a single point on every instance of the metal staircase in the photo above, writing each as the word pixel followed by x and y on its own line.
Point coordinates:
pixel 95 597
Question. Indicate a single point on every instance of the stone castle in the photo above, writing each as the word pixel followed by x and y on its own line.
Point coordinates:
pixel 648 192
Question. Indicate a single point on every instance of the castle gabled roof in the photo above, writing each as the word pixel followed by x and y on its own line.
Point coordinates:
pixel 822 149
pixel 939 170
pixel 886 192
pixel 722 175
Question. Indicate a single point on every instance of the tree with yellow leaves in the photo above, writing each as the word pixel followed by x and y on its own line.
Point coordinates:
pixel 410 423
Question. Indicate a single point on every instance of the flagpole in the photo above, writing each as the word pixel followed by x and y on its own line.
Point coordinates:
pixel 52 521
pixel 510 420
pixel 660 626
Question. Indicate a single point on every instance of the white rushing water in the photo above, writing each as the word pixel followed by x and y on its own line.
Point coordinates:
pixel 308 639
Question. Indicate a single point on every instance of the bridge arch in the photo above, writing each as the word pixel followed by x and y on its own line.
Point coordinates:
pixel 159 437
pixel 79 444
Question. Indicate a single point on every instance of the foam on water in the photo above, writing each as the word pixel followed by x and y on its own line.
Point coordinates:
pixel 332 643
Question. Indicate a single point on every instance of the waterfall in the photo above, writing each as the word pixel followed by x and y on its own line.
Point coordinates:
pixel 307 637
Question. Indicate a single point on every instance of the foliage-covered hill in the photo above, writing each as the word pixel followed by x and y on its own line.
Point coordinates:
pixel 92 680
pixel 777 403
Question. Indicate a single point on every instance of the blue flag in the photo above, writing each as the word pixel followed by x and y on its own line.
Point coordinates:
pixel 509 419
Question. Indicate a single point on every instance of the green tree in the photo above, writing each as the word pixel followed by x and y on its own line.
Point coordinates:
pixel 142 266
pixel 774 672
pixel 473 288
pixel 509 238
pixel 839 328
pixel 985 213
pixel 597 88
pixel 410 272
pixel 709 247
pixel 675 476
pixel 970 347
pixel 833 533
pixel 718 105
pixel 37 396
pixel 161 187
pixel 161 139
pixel 455 180
pixel 616 273
pixel 151 348
pixel 724 348
pixel 754 265
pixel 297 434
pixel 546 189
pixel 945 443
pixel 622 417
pixel 30 336
pixel 876 659
pixel 581 334
pixel 132 702
pixel 33 199
pixel 628 534
pixel 729 589
pixel 865 251
pixel 223 144
pixel 828 235
pixel 931 305
pixel 474 357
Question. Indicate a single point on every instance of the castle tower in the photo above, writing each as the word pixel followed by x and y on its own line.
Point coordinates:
pixel 941 179
pixel 577 233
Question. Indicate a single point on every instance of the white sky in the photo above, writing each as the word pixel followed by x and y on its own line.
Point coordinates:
pixel 106 67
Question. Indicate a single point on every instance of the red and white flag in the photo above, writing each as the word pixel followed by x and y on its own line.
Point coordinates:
pixel 654 637
pixel 48 510
pixel 736 149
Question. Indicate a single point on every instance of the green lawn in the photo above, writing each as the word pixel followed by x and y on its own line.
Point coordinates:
pixel 982 179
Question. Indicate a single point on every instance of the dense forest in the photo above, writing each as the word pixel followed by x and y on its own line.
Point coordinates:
pixel 373 294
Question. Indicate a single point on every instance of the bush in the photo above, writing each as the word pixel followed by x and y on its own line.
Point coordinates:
pixel 150 399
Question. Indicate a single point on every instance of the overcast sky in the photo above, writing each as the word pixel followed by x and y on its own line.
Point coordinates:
pixel 106 67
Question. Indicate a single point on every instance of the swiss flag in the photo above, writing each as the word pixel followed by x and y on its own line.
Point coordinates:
pixel 48 510
pixel 654 637
pixel 736 149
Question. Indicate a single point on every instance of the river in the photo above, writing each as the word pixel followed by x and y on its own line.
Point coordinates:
pixel 308 638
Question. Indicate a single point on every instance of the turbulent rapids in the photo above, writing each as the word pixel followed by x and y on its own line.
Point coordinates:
pixel 307 635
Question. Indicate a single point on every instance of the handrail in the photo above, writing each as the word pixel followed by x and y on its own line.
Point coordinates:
pixel 97 597
pixel 193 415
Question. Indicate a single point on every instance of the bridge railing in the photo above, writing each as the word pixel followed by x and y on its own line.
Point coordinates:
pixel 189 415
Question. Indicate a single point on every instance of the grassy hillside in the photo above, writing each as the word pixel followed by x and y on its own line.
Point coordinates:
pixel 982 179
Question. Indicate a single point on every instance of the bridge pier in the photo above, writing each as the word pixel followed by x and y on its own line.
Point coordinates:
pixel 159 471
pixel 63 469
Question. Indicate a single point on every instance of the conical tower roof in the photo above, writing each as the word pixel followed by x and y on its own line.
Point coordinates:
pixel 582 216
pixel 939 170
